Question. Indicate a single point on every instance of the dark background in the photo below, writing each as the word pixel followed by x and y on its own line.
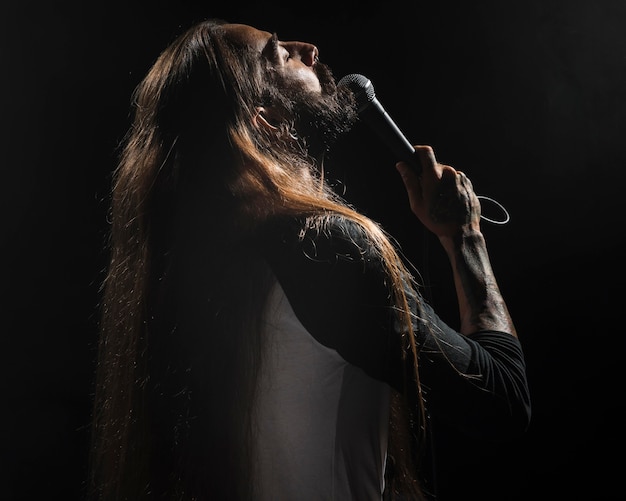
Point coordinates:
pixel 528 98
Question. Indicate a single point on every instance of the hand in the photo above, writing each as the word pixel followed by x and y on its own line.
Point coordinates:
pixel 441 197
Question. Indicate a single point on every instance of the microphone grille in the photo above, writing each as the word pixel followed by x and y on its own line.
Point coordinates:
pixel 361 86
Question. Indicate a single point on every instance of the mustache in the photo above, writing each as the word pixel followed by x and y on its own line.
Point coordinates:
pixel 327 80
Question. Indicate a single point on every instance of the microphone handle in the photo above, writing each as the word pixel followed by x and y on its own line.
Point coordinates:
pixel 381 123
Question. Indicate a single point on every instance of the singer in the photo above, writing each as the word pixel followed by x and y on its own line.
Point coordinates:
pixel 260 339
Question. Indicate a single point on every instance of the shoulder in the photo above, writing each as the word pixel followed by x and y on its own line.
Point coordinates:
pixel 338 286
pixel 331 254
pixel 322 238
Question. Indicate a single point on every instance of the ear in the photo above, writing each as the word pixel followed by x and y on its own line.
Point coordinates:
pixel 263 119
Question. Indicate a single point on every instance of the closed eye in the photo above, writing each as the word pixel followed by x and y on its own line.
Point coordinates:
pixel 279 52
pixel 286 55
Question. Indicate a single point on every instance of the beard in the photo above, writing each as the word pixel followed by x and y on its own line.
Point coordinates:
pixel 323 118
pixel 318 120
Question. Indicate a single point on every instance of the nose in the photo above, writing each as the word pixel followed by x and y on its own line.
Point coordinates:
pixel 308 53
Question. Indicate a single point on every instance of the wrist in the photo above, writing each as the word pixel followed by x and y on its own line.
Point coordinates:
pixel 467 237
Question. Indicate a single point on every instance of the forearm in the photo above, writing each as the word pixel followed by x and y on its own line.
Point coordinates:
pixel 445 202
pixel 481 305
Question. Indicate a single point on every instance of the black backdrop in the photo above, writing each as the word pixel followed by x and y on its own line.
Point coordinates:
pixel 528 98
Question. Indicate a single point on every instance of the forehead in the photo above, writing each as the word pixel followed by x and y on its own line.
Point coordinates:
pixel 247 35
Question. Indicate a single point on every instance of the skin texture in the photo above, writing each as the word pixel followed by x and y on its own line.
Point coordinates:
pixel 294 60
pixel 229 133
pixel 442 198
pixel 444 201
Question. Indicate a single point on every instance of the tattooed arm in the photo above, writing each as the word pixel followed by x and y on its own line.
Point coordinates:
pixel 444 201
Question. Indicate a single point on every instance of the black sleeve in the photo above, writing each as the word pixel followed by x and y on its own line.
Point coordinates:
pixel 476 383
pixel 338 288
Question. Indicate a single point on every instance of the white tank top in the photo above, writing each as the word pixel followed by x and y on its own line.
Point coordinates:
pixel 322 422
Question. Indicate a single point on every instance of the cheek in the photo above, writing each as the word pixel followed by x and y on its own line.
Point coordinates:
pixel 305 79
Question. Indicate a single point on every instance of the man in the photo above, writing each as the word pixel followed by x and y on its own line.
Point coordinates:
pixel 260 338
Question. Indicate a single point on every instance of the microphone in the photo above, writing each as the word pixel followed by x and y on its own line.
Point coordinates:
pixel 372 112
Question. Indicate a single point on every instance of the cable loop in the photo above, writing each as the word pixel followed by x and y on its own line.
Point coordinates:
pixel 500 206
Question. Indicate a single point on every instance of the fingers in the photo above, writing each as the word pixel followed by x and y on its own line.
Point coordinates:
pixel 408 175
pixel 426 156
pixel 420 183
pixel 435 180
pixel 440 196
pixel 465 181
pixel 430 165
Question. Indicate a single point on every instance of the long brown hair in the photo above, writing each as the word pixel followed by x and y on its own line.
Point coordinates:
pixel 182 301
